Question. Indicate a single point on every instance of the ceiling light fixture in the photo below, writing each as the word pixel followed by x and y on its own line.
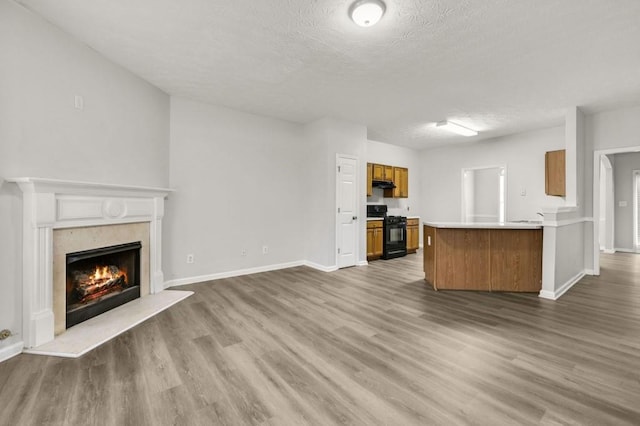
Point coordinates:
pixel 456 128
pixel 367 12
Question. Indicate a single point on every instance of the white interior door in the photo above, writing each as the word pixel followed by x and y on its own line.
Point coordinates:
pixel 347 208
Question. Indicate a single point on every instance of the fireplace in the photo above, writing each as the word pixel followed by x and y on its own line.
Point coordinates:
pixel 61 217
pixel 101 279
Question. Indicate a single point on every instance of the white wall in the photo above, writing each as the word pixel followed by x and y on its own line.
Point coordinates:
pixel 325 139
pixel 615 129
pixel 523 156
pixel 239 185
pixel 623 167
pixel 121 136
pixel 392 155
pixel 607 130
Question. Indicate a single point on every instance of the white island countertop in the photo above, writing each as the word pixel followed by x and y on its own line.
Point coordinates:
pixel 486 225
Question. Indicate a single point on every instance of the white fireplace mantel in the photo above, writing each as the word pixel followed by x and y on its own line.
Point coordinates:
pixel 50 204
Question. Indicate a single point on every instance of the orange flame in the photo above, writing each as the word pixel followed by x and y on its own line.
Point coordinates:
pixel 102 272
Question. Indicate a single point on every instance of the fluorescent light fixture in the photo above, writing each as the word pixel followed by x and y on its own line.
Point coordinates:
pixel 367 12
pixel 456 128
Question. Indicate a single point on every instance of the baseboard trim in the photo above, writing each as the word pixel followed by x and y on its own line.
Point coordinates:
pixel 236 273
pixel 320 267
pixel 555 295
pixel 608 251
pixel 11 350
pixel 362 263
pixel 625 250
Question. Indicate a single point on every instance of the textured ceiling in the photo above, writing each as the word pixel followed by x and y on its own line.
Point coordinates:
pixel 498 66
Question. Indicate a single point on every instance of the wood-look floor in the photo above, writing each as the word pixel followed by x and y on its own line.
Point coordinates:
pixel 366 345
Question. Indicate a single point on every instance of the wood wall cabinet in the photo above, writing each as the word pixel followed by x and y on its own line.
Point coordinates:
pixel 483 259
pixel 375 236
pixel 413 235
pixel 401 181
pixel 382 172
pixel 398 175
pixel 554 173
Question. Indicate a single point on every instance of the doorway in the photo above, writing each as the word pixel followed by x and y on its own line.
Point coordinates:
pixel 599 157
pixel 484 194
pixel 347 211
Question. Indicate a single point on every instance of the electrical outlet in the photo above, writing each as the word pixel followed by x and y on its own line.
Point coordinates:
pixel 265 249
pixel 190 258
pixel 243 252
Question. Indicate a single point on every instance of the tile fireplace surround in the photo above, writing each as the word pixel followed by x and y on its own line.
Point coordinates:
pixel 49 205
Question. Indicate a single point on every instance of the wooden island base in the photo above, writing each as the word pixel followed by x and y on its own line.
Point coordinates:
pixel 483 259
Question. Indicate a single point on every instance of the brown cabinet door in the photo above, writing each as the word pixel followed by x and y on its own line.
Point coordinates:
pixel 554 176
pixel 404 183
pixel 369 179
pixel 370 242
pixel 374 239
pixel 388 172
pixel 397 181
pixel 378 236
pixel 413 238
pixel 516 260
pixel 401 181
pixel 463 259
pixel 378 171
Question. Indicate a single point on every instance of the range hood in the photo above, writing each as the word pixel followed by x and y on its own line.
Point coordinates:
pixel 384 184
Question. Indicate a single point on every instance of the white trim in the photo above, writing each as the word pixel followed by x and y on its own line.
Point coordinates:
pixel 555 295
pixel 356 250
pixel 11 350
pixel 625 250
pixel 319 267
pixel 230 274
pixel 596 198
pixel 566 222
pixel 502 205
pixel 588 271
pixel 634 184
pixel 607 251
pixel 362 263
pixel 84 188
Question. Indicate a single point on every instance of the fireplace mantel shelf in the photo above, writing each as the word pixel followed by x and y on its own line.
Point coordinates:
pixel 36 184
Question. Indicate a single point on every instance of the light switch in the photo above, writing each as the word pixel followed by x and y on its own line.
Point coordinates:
pixel 78 102
pixel 622 204
pixel 523 191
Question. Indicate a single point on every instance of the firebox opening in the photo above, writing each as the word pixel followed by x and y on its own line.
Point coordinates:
pixel 101 279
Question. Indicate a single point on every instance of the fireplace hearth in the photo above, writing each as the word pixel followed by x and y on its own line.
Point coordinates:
pixel 101 279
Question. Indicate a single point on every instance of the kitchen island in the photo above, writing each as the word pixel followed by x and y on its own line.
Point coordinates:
pixel 483 256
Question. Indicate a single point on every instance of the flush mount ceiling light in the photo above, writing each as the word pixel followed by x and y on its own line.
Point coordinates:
pixel 367 12
pixel 456 128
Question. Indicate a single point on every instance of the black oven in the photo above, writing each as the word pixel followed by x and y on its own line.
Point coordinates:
pixel 395 237
pixel 394 243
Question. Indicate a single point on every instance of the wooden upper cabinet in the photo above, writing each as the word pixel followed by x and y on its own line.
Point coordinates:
pixel 388 172
pixel 378 171
pixel 404 183
pixel 554 173
pixel 401 181
pixel 398 175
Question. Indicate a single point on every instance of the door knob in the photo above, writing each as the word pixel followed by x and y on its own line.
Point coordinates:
pixel 355 218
